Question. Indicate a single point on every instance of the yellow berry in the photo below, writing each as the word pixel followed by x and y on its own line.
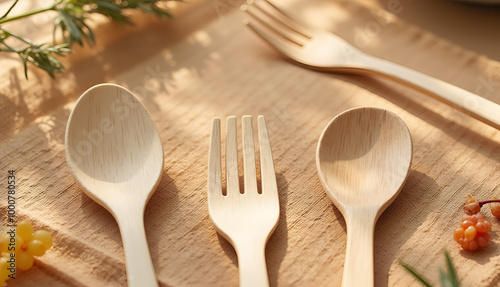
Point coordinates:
pixel 4 242
pixel 470 233
pixel 10 244
pixel 4 272
pixel 36 248
pixel 19 243
pixel 24 260
pixel 24 230
pixel 44 237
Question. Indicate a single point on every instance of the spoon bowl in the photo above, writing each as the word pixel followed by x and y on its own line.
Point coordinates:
pixel 114 151
pixel 363 158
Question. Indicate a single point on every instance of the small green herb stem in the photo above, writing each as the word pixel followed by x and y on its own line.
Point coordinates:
pixel 27 14
pixel 10 51
pixel 9 33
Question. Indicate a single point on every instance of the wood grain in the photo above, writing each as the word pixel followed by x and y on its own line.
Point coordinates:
pixel 202 65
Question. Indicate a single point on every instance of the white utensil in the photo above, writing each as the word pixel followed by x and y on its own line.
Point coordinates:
pixel 115 153
pixel 363 159
pixel 324 51
pixel 246 219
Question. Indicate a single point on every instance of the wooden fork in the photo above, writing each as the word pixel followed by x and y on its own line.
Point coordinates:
pixel 322 50
pixel 246 219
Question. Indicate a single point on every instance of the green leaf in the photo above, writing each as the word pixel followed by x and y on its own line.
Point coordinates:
pixel 70 21
pixel 57 23
pixel 415 274
pixel 445 278
pixel 451 270
pixel 81 24
pixel 448 277
pixel 74 32
pixel 110 6
pixel 110 10
pixel 25 68
pixel 145 8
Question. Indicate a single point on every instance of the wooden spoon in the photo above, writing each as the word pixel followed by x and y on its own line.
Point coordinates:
pixel 363 158
pixel 115 153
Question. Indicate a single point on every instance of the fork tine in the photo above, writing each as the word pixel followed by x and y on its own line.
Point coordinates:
pixel 274 24
pixel 214 161
pixel 232 178
pixel 249 170
pixel 268 176
pixel 277 43
pixel 284 18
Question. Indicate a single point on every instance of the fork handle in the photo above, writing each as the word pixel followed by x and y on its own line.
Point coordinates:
pixel 470 103
pixel 252 263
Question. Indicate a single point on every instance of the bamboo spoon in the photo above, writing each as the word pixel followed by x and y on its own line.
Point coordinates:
pixel 115 153
pixel 363 158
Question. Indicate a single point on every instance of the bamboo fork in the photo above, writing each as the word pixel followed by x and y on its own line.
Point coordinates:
pixel 322 50
pixel 246 219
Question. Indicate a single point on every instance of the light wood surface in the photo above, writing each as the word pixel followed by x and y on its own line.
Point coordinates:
pixel 449 20
pixel 114 151
pixel 204 64
pixel 363 159
pixel 247 217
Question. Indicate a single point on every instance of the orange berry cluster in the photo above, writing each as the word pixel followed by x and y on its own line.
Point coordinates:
pixel 474 230
pixel 18 247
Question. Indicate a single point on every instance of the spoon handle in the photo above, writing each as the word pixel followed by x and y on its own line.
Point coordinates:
pixel 358 267
pixel 140 270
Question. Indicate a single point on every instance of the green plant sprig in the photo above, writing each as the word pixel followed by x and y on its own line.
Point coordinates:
pixel 448 277
pixel 71 23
